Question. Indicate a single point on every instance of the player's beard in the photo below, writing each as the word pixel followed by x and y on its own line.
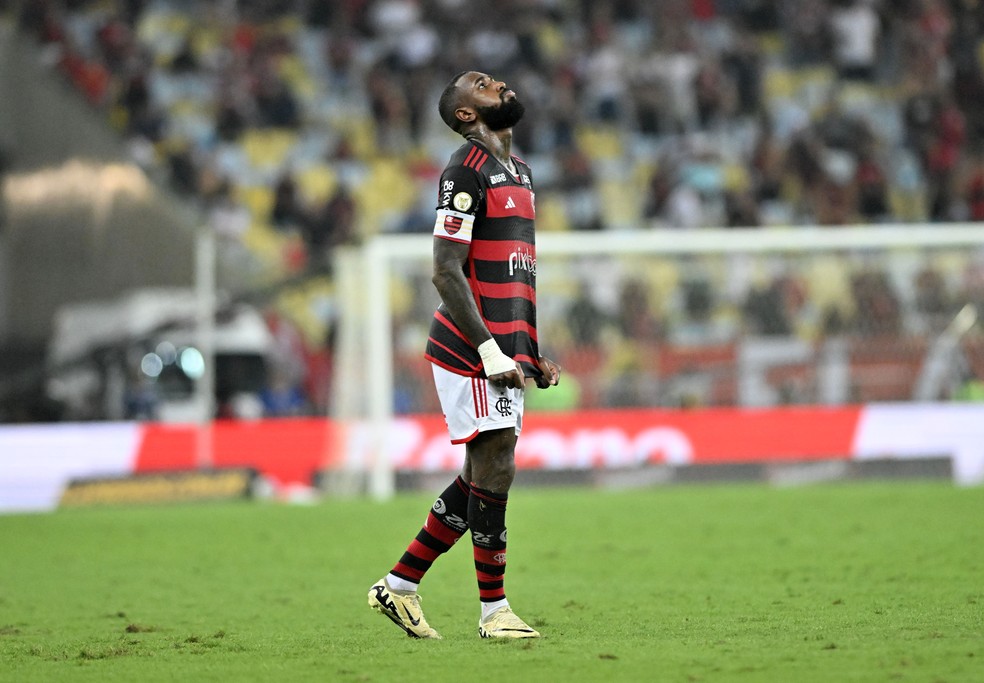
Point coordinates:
pixel 502 116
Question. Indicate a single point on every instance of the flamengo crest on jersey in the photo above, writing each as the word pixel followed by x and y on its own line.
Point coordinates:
pixel 454 225
pixel 484 205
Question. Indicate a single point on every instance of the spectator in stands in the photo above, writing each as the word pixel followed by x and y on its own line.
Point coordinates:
pixel 742 61
pixel 741 209
pixel 714 93
pixel 854 28
pixel 872 185
pixel 878 309
pixel 629 385
pixel 140 398
pixel 943 157
pixel 330 225
pixel 276 104
pixel 634 316
pixel 973 187
pixel 287 212
pixel 282 396
pixel 585 318
pixel 584 211
pixel 604 86
pixel 390 110
pixel 183 169
pixel 932 298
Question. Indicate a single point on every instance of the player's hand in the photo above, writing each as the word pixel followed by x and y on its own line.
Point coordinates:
pixel 551 373
pixel 513 378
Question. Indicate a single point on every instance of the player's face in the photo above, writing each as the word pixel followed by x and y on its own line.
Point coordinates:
pixel 495 104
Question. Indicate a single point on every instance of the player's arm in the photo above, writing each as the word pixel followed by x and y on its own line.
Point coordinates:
pixel 449 279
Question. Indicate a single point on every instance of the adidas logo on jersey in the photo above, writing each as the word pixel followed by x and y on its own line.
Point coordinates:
pixel 510 204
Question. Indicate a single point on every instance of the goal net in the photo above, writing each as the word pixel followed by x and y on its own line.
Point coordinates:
pixel 689 319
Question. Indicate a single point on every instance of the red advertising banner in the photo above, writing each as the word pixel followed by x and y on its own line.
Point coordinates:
pixel 38 461
pixel 287 451
pixel 626 438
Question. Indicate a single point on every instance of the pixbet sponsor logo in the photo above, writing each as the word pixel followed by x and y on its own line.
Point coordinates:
pixel 522 259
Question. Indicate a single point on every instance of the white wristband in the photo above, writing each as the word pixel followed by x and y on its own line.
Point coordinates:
pixel 494 360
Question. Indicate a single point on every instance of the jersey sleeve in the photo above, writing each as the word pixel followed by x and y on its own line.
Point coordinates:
pixel 459 198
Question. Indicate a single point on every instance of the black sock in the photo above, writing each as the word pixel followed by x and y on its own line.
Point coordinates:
pixel 487 521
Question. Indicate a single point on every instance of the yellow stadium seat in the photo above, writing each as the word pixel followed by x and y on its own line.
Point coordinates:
pixel 292 70
pixel 736 178
pixel 779 84
pixel 622 206
pixel 663 277
pixel 600 143
pixel 771 44
pixel 259 201
pixel 828 280
pixel 316 183
pixel 300 305
pixel 550 214
pixel 268 148
pixel 205 39
pixel 387 180
pixel 360 135
pixel 263 241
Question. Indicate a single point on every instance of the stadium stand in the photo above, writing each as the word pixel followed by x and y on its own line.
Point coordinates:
pixel 310 125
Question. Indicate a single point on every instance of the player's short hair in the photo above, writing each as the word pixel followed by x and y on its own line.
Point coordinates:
pixel 449 102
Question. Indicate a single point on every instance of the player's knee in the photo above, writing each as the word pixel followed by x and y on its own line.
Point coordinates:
pixel 491 460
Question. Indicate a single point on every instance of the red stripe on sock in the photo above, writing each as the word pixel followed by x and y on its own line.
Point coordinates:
pixel 492 594
pixel 493 557
pixel 420 550
pixel 488 496
pixel 441 531
pixel 412 574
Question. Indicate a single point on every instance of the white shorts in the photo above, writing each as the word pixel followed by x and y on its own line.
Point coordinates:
pixel 472 405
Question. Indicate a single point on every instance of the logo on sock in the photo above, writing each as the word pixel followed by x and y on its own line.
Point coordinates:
pixel 456 522
pixel 481 539
pixel 500 558
pixel 439 506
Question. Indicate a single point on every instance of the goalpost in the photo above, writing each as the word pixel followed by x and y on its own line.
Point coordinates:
pixel 388 280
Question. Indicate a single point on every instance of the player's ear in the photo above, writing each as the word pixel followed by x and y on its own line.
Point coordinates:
pixel 465 114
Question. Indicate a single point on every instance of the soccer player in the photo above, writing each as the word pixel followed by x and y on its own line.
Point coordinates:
pixel 482 347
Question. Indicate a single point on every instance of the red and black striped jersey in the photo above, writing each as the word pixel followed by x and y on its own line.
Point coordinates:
pixel 483 204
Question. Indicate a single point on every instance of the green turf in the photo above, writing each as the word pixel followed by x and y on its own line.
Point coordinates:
pixel 853 582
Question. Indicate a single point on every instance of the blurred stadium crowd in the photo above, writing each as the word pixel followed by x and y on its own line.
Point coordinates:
pixel 302 125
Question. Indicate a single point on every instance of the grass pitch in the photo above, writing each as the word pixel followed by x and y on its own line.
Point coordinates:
pixel 852 582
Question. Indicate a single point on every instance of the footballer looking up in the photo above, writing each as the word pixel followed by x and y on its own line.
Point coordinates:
pixel 482 347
